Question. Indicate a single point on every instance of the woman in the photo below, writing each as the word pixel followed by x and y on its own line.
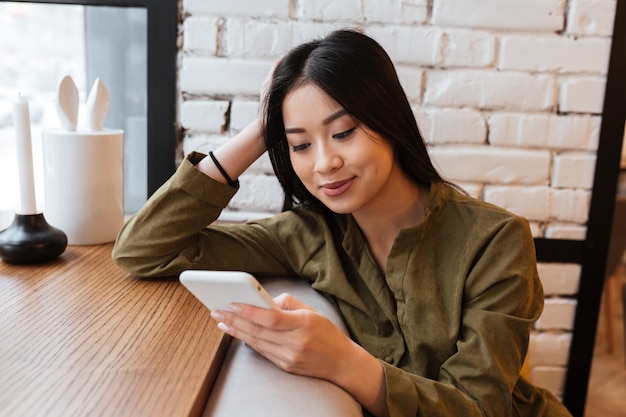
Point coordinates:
pixel 438 290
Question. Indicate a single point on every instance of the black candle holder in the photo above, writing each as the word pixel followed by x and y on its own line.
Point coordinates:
pixel 30 239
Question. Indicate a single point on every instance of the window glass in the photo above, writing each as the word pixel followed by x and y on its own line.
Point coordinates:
pixel 40 44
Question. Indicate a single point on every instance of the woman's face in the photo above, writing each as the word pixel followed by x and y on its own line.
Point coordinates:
pixel 347 167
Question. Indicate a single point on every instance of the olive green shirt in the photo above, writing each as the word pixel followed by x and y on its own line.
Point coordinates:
pixel 449 321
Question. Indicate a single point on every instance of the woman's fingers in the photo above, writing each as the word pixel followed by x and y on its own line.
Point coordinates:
pixel 297 338
pixel 253 320
pixel 271 342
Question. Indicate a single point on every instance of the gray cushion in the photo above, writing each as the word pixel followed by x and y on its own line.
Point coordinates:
pixel 250 385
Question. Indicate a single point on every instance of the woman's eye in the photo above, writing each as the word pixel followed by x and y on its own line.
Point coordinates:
pixel 296 148
pixel 345 134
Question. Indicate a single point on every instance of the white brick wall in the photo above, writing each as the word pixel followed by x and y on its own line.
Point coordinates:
pixel 490 90
pixel 443 126
pixel 559 279
pixel 573 169
pixel 248 8
pixel 517 15
pixel 420 45
pixel 554 53
pixel 395 12
pixel 493 165
pixel 204 115
pixel 212 76
pixel 548 354
pixel 591 17
pixel 581 94
pixel 507 94
pixel 544 130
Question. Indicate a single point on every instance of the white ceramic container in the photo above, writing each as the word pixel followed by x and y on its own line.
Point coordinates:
pixel 84 184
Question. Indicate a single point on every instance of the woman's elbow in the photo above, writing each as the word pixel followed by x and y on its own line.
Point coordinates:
pixel 136 263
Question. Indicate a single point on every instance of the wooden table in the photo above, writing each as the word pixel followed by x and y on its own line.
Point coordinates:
pixel 81 337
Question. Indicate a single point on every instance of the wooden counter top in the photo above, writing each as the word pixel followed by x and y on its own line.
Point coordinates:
pixel 81 337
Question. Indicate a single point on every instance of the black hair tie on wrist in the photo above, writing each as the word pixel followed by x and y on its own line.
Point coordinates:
pixel 223 172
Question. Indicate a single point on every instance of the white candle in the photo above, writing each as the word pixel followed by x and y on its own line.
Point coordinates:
pixel 23 145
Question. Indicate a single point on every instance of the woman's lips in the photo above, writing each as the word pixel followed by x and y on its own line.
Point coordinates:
pixel 333 189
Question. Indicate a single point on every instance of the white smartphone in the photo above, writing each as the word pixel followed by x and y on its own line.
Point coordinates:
pixel 217 289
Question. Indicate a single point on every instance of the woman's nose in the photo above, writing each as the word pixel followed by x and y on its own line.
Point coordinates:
pixel 327 160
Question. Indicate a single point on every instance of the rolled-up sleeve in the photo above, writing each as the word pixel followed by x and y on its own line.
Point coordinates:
pixel 172 232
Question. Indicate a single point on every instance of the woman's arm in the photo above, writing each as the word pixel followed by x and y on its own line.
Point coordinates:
pixel 169 233
pixel 236 155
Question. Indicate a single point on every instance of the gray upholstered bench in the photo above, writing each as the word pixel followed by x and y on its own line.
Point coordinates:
pixel 250 385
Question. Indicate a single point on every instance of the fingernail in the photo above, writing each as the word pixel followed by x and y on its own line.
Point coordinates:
pixel 217 316
pixel 235 308
pixel 223 327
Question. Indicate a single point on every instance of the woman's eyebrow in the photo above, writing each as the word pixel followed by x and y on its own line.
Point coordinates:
pixel 325 122
pixel 334 116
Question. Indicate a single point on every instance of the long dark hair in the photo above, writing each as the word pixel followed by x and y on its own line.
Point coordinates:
pixel 356 72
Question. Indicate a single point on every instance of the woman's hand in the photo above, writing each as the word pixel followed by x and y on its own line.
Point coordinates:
pixel 302 341
pixel 297 339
